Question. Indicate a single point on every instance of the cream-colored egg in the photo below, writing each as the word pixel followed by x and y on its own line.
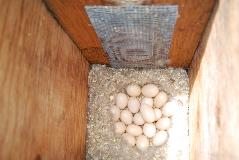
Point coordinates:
pixel 138 119
pixel 160 138
pixel 149 130
pixel 150 90
pixel 142 142
pixel 126 117
pixel 115 112
pixel 147 113
pixel 164 123
pixel 119 127
pixel 160 99
pixel 133 90
pixel 121 100
pixel 133 104
pixel 134 130
pixel 148 101
pixel 129 139
pixel 170 108
pixel 158 113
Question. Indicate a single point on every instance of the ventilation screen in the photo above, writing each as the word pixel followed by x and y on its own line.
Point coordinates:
pixel 134 36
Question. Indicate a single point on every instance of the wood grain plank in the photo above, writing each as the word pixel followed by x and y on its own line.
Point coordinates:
pixel 194 15
pixel 214 76
pixel 193 18
pixel 72 16
pixel 43 86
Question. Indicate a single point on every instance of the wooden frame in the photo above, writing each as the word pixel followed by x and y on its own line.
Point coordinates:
pixel 43 78
pixel 194 15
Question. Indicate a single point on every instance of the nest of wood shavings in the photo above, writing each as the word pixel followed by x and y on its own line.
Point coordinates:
pixel 104 83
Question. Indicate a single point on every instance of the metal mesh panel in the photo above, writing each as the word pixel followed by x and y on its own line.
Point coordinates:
pixel 134 36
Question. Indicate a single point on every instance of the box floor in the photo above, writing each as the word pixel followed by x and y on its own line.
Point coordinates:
pixel 104 83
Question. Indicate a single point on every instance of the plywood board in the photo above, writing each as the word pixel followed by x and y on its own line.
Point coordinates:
pixel 214 76
pixel 43 86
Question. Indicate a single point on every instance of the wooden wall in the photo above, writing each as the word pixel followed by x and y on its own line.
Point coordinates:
pixel 191 22
pixel 214 101
pixel 43 86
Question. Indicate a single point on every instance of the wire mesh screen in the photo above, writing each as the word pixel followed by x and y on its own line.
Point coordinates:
pixel 134 36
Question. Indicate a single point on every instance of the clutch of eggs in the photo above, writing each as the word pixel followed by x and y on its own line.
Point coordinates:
pixel 143 115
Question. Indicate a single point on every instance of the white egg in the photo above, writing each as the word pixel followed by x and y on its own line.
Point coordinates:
pixel 149 130
pixel 148 101
pixel 150 90
pixel 115 111
pixel 170 108
pixel 164 123
pixel 134 130
pixel 147 113
pixel 133 104
pixel 160 138
pixel 129 139
pixel 121 100
pixel 119 127
pixel 133 90
pixel 158 114
pixel 160 99
pixel 142 142
pixel 138 119
pixel 126 117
